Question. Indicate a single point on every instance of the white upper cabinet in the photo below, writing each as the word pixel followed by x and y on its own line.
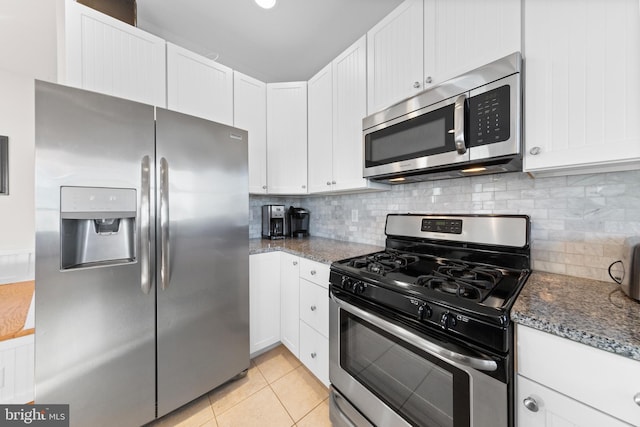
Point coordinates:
pixel 250 113
pixel 395 56
pixel 103 54
pixel 287 138
pixel 349 108
pixel 337 105
pixel 320 111
pixel 462 35
pixel 425 42
pixel 199 86
pixel 582 99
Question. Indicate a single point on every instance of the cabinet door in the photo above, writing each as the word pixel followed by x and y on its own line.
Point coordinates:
pixel 17 370
pixel 314 352
pixel 582 99
pixel 468 34
pixel 106 55
pixel 287 138
pixel 539 406
pixel 199 86
pixel 250 113
pixel 349 108
pixel 264 300
pixel 395 56
pixel 314 306
pixel 320 111
pixel 611 387
pixel 290 304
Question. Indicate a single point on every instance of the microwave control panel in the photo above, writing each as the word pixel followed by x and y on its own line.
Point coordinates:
pixel 489 117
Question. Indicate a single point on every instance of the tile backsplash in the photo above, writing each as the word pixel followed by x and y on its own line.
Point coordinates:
pixel 579 222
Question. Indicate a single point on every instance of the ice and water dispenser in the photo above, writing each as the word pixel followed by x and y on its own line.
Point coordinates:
pixel 97 226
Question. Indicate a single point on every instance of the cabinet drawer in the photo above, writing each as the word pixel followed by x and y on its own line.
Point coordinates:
pixel 314 306
pixel 603 380
pixel 552 408
pixel 315 272
pixel 314 352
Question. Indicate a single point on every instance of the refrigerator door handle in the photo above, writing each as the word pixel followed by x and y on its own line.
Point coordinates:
pixel 145 215
pixel 165 257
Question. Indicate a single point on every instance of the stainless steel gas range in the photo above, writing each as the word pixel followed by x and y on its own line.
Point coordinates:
pixel 420 333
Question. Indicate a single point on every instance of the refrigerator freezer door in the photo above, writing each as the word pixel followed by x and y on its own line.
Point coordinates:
pixel 203 302
pixel 95 346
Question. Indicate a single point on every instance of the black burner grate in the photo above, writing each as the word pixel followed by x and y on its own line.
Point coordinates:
pixel 466 281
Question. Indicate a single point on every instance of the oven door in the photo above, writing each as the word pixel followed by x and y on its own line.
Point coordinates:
pixel 392 376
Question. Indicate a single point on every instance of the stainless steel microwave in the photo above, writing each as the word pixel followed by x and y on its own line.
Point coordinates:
pixel 471 124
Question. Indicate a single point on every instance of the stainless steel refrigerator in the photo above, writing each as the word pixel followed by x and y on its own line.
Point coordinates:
pixel 142 258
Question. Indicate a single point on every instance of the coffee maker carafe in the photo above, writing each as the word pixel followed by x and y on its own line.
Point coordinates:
pixel 273 221
pixel 298 222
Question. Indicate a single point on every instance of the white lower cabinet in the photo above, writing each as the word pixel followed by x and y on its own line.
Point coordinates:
pixel 264 300
pixel 563 383
pixel 16 370
pixel 289 302
pixel 314 306
pixel 314 352
pixel 314 318
pixel 548 408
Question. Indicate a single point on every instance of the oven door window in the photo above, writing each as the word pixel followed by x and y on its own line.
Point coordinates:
pixel 421 136
pixel 423 389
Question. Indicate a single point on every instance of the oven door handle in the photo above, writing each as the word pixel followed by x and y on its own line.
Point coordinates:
pixel 480 364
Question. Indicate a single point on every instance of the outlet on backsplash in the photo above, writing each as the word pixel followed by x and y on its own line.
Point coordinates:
pixel 354 215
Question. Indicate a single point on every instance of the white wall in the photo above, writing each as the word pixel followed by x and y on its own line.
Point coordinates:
pixel 28 38
pixel 27 52
pixel 17 237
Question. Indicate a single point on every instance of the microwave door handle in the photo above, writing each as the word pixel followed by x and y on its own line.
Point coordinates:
pixel 480 364
pixel 458 124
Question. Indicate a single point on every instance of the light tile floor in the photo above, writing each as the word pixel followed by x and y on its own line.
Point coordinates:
pixel 277 392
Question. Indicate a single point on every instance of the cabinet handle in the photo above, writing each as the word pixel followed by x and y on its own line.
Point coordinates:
pixel 333 182
pixel 535 151
pixel 416 85
pixel 531 404
pixel 428 80
pixel 313 355
pixel 295 262
pixel 328 182
pixel 313 308
pixel 313 272
pixel 304 186
pixel 636 399
pixel 264 187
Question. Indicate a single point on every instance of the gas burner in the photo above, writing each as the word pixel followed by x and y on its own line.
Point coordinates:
pixel 377 268
pixel 383 262
pixel 465 281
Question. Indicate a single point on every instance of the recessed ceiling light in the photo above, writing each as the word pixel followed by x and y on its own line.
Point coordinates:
pixel 266 4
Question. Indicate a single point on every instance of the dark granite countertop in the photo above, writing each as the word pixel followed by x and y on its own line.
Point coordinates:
pixel 581 310
pixel 315 248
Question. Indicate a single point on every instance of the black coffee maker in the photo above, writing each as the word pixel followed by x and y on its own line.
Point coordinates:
pixel 298 222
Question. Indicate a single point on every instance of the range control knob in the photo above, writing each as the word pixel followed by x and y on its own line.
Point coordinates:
pixel 359 287
pixel 346 282
pixel 444 320
pixel 424 311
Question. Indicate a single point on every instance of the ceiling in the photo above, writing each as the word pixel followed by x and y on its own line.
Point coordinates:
pixel 290 42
